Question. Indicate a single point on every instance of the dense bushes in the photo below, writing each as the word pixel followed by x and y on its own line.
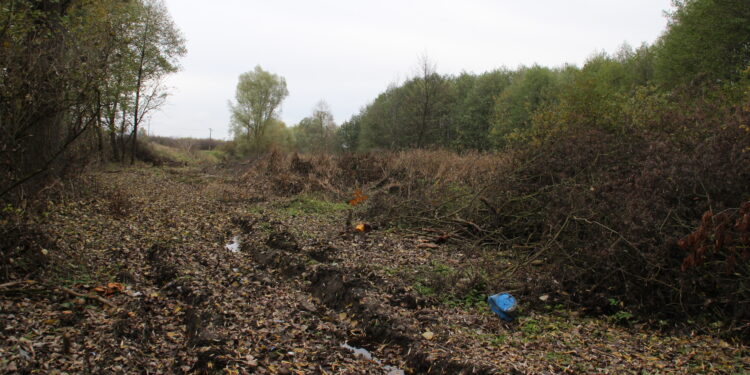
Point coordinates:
pixel 587 215
pixel 616 207
pixel 77 79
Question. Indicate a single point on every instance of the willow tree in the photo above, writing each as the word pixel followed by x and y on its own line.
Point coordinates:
pixel 258 99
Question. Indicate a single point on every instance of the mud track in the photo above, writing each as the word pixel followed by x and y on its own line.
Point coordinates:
pixel 381 313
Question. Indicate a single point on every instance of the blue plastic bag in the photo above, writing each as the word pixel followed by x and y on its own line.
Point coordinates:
pixel 503 305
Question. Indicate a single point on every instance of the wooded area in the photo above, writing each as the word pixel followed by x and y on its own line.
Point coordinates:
pixel 78 78
pixel 700 61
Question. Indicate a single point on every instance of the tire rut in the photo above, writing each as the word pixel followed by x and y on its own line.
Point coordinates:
pixel 384 317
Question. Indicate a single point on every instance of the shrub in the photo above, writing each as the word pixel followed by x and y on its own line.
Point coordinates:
pixel 588 213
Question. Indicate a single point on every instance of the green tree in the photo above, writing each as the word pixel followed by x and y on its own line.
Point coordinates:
pixel 65 67
pixel 427 106
pixel 639 64
pixel 158 45
pixel 530 89
pixel 473 118
pixel 278 136
pixel 385 120
pixel 38 74
pixel 706 41
pixel 591 98
pixel 414 114
pixel 258 97
pixel 347 136
pixel 118 25
pixel 316 133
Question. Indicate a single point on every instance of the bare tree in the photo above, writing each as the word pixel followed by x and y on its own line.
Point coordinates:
pixel 428 95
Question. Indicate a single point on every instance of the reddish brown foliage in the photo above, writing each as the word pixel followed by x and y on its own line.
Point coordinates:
pixel 724 237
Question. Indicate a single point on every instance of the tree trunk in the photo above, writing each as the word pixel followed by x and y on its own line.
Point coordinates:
pixel 123 143
pixel 138 89
pixel 112 130
pixel 99 135
pixel 113 143
pixel 136 119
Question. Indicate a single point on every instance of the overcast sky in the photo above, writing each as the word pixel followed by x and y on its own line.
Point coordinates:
pixel 347 52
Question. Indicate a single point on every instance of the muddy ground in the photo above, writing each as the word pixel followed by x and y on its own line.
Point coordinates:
pixel 135 276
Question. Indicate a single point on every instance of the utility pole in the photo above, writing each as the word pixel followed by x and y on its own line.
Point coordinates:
pixel 210 133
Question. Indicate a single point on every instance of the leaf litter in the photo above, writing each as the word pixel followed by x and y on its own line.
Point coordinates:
pixel 184 301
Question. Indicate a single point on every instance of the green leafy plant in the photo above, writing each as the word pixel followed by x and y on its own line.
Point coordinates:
pixel 531 327
pixel 423 289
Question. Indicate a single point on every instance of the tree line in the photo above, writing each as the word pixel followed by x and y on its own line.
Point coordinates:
pixel 705 50
pixel 77 80
pixel 703 53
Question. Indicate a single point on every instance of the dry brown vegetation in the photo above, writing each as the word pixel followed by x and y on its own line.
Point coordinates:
pixel 592 215
pixel 127 283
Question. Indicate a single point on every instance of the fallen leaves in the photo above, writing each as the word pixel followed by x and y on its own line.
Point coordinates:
pixel 98 298
pixel 109 289
pixel 363 227
pixel 255 320
pixel 359 198
pixel 174 336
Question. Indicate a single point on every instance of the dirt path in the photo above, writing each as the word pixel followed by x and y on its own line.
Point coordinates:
pixel 285 300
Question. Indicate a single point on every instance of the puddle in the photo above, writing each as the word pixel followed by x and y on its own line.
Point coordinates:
pixel 357 351
pixel 234 245
pixel 389 370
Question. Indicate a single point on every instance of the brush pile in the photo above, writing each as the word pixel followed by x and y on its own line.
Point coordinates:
pixel 595 215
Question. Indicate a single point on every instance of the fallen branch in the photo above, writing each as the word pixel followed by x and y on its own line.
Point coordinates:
pixel 608 229
pixel 469 223
pixel 12 283
pixel 23 291
pixel 511 271
pixel 91 296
